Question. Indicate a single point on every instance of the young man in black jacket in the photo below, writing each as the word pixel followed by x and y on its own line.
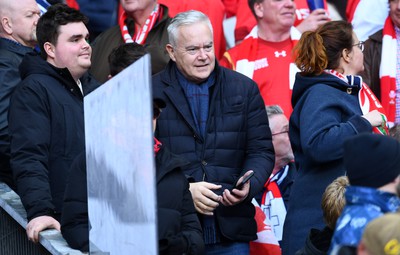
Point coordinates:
pixel 46 115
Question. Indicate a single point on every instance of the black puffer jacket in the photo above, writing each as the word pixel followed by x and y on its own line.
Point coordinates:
pixel 46 133
pixel 237 139
pixel 179 229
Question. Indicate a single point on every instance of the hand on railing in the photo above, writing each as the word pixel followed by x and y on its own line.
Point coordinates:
pixel 38 224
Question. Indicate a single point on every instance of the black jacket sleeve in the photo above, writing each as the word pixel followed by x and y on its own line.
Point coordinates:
pixel 74 218
pixel 191 227
pixel 30 132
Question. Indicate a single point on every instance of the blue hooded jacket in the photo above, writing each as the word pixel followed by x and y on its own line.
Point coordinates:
pixel 326 111
pixel 363 204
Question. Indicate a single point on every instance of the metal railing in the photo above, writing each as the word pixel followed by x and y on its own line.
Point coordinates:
pixel 13 240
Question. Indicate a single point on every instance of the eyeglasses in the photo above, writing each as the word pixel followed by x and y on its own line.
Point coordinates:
pixel 279 133
pixel 360 45
pixel 156 112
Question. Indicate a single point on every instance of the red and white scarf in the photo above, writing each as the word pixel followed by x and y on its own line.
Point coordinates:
pixel 266 242
pixel 140 34
pixel 366 98
pixel 387 71
pixel 246 59
pixel 270 216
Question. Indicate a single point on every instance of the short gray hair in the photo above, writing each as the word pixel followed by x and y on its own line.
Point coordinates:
pixel 184 19
pixel 273 110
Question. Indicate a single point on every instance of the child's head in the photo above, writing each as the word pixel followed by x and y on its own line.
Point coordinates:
pixel 333 200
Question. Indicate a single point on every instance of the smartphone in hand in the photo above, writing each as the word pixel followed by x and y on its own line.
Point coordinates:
pixel 240 185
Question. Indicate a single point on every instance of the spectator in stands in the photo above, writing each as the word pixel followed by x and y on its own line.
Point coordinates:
pixel 17 37
pixel 373 167
pixel 333 202
pixel 305 20
pixel 275 196
pixel 381 236
pixel 265 55
pixel 179 230
pixel 382 62
pixel 144 22
pixel 46 115
pixel 215 119
pixel 327 110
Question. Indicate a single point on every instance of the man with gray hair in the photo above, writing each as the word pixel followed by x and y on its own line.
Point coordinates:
pixel 216 119
pixel 279 125
pixel 17 37
pixel 274 198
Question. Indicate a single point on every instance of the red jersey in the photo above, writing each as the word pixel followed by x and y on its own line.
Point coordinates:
pixel 269 64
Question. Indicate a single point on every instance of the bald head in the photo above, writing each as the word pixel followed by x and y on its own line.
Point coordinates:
pixel 5 6
pixel 18 19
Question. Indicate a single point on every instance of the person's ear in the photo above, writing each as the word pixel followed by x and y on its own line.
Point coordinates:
pixel 6 23
pixel 346 55
pixel 109 77
pixel 49 49
pixel 259 10
pixel 171 51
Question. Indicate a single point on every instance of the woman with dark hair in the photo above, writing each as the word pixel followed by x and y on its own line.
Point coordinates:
pixel 330 104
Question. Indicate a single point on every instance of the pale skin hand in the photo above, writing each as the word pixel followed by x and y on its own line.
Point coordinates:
pixel 204 199
pixel 38 224
pixel 374 117
pixel 316 18
pixel 236 196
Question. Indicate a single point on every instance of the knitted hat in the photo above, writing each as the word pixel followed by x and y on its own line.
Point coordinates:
pixel 371 160
pixel 382 235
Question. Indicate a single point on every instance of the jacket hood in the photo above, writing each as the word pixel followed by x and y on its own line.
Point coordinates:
pixel 303 83
pixel 32 63
pixel 358 195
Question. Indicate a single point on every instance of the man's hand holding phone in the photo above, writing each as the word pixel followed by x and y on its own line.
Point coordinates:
pixel 239 192
pixel 244 179
pixel 204 198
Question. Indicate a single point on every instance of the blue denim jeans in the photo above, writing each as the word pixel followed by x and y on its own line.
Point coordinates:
pixel 228 249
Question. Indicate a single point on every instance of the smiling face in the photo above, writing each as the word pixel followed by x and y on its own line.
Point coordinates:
pixel 71 49
pixel 194 52
pixel 277 13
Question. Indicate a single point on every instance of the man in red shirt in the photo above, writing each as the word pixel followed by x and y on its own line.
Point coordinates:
pixel 265 55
